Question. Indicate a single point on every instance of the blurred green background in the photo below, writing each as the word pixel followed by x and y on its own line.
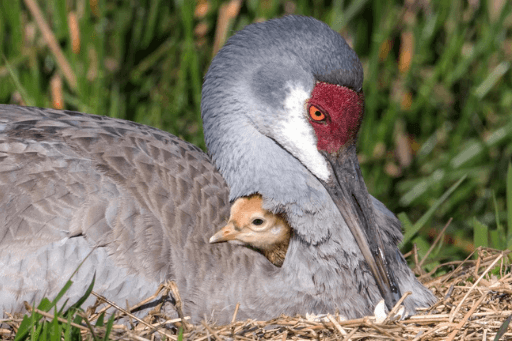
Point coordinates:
pixel 438 88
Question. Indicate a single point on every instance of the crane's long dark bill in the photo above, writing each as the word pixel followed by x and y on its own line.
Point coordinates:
pixel 348 191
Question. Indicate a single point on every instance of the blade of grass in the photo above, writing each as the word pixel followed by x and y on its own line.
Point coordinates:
pixel 495 237
pixel 47 333
pixel 55 330
pixel 61 293
pixel 100 321
pixel 419 224
pixel 422 186
pixel 60 18
pixel 82 299
pixel 502 237
pixel 493 78
pixel 37 332
pixel 108 329
pixel 149 32
pixel 25 326
pixel 475 148
pixel 12 13
pixel 438 238
pixel 28 100
pixel 503 329
pixel 52 43
pixel 480 234
pixel 67 333
pixel 45 304
pixel 406 222
pixel 91 328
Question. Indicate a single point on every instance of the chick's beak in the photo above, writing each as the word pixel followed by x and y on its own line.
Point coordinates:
pixel 347 189
pixel 228 232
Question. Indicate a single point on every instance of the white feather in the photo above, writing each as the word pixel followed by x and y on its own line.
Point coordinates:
pixel 297 135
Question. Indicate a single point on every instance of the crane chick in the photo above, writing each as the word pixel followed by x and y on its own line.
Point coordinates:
pixel 256 227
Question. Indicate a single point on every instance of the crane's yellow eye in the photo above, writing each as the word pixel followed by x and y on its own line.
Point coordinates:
pixel 316 114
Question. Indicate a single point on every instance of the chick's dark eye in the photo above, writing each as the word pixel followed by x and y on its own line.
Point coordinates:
pixel 257 221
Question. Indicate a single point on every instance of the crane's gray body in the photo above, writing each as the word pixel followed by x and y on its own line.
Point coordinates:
pixel 145 202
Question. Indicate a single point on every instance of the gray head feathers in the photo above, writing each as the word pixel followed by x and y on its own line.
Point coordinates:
pixel 244 107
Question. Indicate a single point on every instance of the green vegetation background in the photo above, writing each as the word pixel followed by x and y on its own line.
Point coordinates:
pixel 438 88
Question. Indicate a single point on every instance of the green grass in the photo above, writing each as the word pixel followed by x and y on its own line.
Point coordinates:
pixel 65 324
pixel 434 116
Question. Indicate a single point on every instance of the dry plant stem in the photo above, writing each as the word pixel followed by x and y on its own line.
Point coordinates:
pixel 127 309
pixel 435 318
pixel 477 266
pixel 396 307
pixel 94 315
pixel 348 337
pixel 438 238
pixel 417 269
pixel 50 39
pixel 236 312
pixel 91 328
pixel 473 287
pixel 227 12
pixel 315 335
pixel 169 321
pixel 466 318
pixel 430 333
pixel 336 324
pixel 50 316
pixel 217 337
pixel 461 264
pixel 133 316
pixel 501 268
pixel 506 278
pixel 442 301
pixel 207 336
pixel 449 292
pixel 74 31
pixel 136 337
pixel 56 92
pixel 370 324
pixel 179 303
pixel 446 277
pixel 161 287
pixel 415 252
pixel 166 289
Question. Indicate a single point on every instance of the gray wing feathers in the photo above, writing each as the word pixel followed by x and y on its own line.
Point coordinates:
pixel 70 182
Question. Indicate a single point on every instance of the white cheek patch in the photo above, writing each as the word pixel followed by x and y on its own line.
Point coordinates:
pixel 298 137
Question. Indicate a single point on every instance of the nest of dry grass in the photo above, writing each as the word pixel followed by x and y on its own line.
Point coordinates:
pixel 475 303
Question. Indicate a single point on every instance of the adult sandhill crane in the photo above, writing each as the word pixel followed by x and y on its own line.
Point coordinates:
pixel 251 225
pixel 282 104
